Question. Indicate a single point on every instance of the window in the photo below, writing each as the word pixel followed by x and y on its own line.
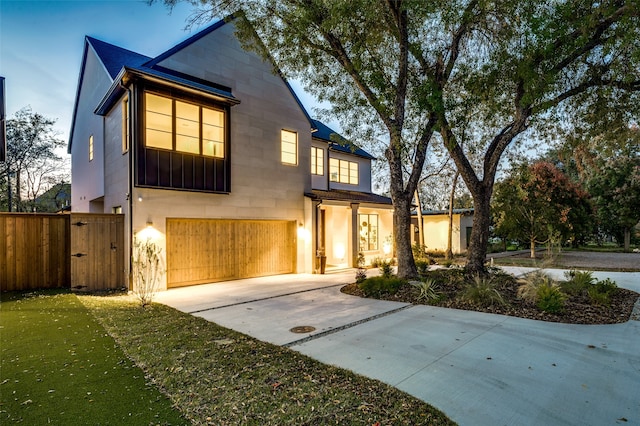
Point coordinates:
pixel 172 124
pixel 125 125
pixel 289 147
pixel 368 231
pixel 91 148
pixel 317 161
pixel 116 210
pixel 343 171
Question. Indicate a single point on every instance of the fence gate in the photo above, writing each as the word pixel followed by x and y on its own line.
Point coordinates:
pixel 97 251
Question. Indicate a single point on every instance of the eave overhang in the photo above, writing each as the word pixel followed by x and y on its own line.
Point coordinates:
pixel 127 74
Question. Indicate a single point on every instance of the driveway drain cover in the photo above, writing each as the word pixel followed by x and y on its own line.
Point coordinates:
pixel 302 329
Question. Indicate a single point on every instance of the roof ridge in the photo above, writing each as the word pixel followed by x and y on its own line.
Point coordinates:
pixel 192 39
pixel 93 39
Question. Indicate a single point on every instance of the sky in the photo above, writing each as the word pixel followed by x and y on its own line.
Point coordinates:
pixel 41 45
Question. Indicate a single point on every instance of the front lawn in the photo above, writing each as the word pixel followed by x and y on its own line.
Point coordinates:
pixel 59 366
pixel 217 376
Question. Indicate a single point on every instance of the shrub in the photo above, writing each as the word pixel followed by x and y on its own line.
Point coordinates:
pixel 147 268
pixel 435 253
pixel 600 292
pixel 599 298
pixel 386 270
pixel 423 266
pixel 379 286
pixel 577 282
pixel 531 283
pixel 446 263
pixel 607 286
pixel 376 262
pixel 361 273
pixel 419 251
pixel 428 289
pixel 550 298
pixel 482 292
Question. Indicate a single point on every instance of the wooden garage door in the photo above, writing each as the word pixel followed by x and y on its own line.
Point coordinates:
pixel 208 250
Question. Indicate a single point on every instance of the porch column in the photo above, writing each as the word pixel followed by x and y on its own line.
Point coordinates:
pixel 354 233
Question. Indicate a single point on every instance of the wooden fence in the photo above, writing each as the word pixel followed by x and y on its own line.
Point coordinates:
pixel 36 251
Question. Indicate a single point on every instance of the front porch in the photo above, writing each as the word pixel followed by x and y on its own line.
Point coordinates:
pixel 346 223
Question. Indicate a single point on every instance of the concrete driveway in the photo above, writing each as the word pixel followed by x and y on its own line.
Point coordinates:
pixel 480 369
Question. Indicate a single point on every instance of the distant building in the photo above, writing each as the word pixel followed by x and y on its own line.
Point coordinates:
pixel 55 200
pixel 436 226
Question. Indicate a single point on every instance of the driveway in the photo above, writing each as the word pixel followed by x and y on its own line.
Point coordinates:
pixel 480 369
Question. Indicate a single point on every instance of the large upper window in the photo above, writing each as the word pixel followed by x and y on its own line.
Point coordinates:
pixel 172 124
pixel 368 232
pixel 91 148
pixel 317 161
pixel 289 147
pixel 343 171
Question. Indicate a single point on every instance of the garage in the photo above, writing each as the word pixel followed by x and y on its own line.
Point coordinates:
pixel 208 250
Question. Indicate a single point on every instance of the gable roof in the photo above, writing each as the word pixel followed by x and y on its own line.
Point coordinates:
pixel 324 133
pixel 114 58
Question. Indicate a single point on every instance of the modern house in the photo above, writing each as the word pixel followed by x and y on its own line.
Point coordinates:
pixel 207 150
pixel 435 225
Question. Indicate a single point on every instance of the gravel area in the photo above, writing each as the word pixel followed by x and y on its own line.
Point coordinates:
pixel 593 260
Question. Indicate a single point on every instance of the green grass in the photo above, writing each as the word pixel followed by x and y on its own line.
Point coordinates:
pixel 59 366
pixel 218 376
pixel 213 375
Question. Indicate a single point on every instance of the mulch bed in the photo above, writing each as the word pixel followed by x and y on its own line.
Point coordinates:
pixel 577 309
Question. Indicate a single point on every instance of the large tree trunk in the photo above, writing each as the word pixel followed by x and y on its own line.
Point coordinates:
pixel 448 254
pixel 480 232
pixel 402 236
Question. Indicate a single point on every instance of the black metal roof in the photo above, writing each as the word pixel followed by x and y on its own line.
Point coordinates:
pixel 351 196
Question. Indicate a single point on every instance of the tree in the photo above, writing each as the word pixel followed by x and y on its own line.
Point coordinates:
pixel 616 195
pixel 405 69
pixel 32 165
pixel 539 204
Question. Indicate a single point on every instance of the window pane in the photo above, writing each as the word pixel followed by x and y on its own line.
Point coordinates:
pixel 344 171
pixel 158 139
pixel 213 148
pixel 158 104
pixel 213 117
pixel 317 160
pixel 313 161
pixel 353 173
pixel 212 133
pixel 289 147
pixel 187 124
pixel 158 121
pixel 188 144
pixel 333 169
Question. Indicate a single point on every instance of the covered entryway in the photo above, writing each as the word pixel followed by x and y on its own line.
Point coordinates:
pixel 208 250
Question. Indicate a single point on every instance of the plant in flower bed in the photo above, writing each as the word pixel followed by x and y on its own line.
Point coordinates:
pixel 577 300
